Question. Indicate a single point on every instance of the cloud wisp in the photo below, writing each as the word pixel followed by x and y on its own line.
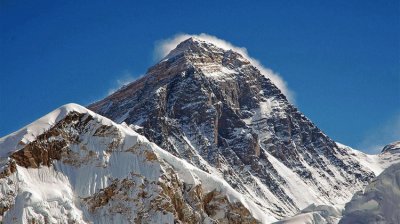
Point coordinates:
pixel 125 78
pixel 163 47
pixel 376 139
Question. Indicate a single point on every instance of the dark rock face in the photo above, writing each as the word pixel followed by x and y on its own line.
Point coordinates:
pixel 214 109
pixel 392 147
pixel 53 144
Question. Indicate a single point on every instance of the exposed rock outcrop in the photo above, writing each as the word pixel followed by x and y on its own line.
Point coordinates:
pixel 93 170
pixel 213 108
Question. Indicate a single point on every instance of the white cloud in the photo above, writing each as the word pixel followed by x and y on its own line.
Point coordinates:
pixel 163 47
pixel 384 134
pixel 125 78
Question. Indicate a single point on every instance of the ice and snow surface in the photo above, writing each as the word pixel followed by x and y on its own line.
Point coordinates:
pixel 380 201
pixel 42 193
pixel 18 139
pixel 315 214
pixel 376 163
pixel 52 193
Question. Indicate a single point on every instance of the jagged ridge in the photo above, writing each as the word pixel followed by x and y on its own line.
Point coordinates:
pixel 74 166
pixel 213 108
pixel 260 158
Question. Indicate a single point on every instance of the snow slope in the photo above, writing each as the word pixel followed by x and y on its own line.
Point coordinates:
pixel 379 203
pixel 95 178
pixel 376 162
pixel 315 214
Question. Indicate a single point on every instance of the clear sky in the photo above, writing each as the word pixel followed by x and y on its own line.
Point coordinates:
pixel 340 58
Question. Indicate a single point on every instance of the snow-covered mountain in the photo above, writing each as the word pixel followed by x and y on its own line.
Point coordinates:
pixel 203 137
pixel 74 166
pixel 213 108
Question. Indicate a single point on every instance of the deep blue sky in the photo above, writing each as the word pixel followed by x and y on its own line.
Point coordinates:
pixel 342 59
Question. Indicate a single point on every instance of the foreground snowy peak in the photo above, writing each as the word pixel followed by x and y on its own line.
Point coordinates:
pixel 27 134
pixel 213 108
pixel 74 166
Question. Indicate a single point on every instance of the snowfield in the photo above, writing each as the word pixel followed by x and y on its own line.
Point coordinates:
pixel 380 201
pixel 54 194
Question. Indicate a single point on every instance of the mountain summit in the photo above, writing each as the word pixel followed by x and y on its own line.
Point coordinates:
pixel 201 53
pixel 203 137
pixel 213 108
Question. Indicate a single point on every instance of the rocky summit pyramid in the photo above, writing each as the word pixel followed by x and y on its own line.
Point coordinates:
pixel 213 108
pixel 203 137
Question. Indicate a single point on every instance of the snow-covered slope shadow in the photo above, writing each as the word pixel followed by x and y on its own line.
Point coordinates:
pixel 379 203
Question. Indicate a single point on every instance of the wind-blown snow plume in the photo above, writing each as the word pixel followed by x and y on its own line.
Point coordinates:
pixel 163 47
